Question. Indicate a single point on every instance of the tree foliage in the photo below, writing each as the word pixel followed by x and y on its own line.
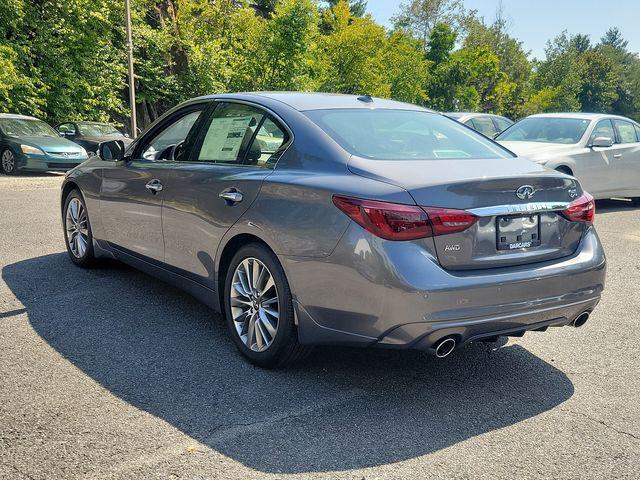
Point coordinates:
pixel 66 59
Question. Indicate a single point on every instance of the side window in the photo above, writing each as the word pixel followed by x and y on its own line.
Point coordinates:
pixel 626 132
pixel 502 123
pixel 241 134
pixel 163 145
pixel 485 126
pixel 67 129
pixel 270 140
pixel 604 128
pixel 637 131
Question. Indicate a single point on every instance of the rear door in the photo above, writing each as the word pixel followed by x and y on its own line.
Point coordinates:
pixel 626 158
pixel 208 190
pixel 132 190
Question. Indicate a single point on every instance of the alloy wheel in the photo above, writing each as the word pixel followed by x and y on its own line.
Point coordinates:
pixel 8 161
pixel 254 304
pixel 77 228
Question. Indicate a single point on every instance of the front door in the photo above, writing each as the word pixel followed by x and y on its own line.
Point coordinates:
pixel 132 191
pixel 208 191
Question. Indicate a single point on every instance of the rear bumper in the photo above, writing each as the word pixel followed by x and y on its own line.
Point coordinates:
pixel 394 294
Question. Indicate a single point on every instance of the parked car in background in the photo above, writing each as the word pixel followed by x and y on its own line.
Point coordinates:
pixel 487 124
pixel 91 134
pixel 29 144
pixel 602 151
pixel 335 219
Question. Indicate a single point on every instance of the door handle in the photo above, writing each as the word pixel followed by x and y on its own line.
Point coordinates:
pixel 154 186
pixel 231 196
pixel 617 155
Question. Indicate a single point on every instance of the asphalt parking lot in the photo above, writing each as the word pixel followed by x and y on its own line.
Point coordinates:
pixel 108 373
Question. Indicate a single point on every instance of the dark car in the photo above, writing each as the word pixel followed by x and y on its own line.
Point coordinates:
pixel 334 219
pixel 91 134
pixel 486 123
pixel 29 144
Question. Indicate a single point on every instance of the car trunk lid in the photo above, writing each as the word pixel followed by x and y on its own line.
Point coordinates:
pixel 511 229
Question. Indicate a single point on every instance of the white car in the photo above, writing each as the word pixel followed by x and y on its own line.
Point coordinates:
pixel 602 151
pixel 486 123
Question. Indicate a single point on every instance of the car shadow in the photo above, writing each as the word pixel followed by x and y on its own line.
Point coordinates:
pixel 34 174
pixel 614 205
pixel 163 352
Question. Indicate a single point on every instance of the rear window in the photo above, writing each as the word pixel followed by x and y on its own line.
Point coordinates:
pixel 404 135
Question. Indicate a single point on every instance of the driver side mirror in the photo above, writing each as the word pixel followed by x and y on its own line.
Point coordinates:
pixel 602 142
pixel 112 150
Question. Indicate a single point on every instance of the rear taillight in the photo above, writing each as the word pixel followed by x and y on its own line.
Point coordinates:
pixel 582 209
pixel 446 220
pixel 393 221
pixel 390 221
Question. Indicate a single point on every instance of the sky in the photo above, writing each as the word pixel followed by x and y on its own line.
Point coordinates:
pixel 535 21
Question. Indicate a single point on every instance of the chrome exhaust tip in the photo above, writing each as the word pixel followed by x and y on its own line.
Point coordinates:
pixel 581 319
pixel 445 347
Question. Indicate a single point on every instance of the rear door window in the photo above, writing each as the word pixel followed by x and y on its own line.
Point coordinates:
pixel 626 132
pixel 484 125
pixel 229 134
pixel 271 140
pixel 242 134
pixel 502 123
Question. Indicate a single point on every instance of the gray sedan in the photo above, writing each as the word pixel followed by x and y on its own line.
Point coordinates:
pixel 326 219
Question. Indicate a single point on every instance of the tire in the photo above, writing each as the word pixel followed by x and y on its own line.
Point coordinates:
pixel 8 162
pixel 80 249
pixel 252 329
pixel 636 201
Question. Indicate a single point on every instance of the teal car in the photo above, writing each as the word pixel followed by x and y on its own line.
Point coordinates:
pixel 29 144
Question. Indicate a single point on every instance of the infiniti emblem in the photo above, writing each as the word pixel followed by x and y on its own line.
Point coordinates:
pixel 525 192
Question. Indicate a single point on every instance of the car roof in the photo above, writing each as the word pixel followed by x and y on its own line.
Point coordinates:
pixel 459 115
pixel 17 117
pixel 578 115
pixel 304 101
pixel 86 122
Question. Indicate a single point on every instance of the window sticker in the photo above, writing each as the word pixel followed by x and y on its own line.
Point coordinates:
pixel 224 138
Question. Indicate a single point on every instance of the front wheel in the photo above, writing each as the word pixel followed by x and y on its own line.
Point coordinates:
pixel 8 163
pixel 259 309
pixel 77 230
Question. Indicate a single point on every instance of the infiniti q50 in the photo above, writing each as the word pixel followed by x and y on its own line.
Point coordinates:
pixel 313 219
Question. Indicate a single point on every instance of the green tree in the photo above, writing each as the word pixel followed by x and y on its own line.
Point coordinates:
pixel 284 46
pixel 514 61
pixel 351 58
pixel 407 69
pixel 419 17
pixel 358 7
pixel 442 41
pixel 627 71
pixel 584 78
